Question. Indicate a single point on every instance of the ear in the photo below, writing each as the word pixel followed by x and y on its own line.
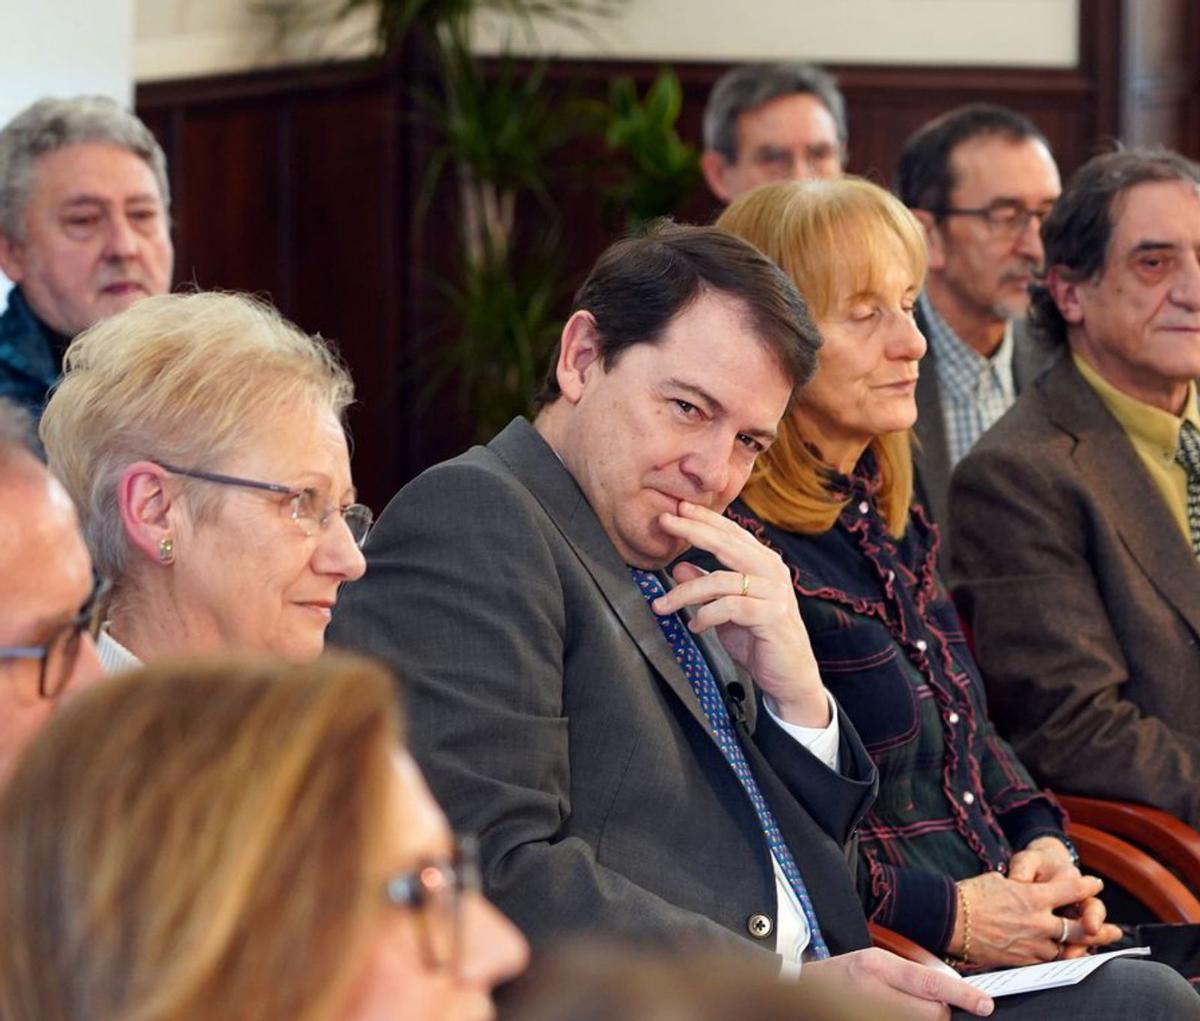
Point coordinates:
pixel 12 259
pixel 1066 294
pixel 145 507
pixel 715 168
pixel 935 243
pixel 578 355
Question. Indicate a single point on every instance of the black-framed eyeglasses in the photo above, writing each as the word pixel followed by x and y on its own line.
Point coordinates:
pixel 308 507
pixel 1004 217
pixel 435 891
pixel 57 656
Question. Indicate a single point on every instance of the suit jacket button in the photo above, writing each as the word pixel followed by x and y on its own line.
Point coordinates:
pixel 759 926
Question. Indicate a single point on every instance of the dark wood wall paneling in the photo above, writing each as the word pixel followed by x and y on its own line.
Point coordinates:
pixel 292 185
pixel 301 184
pixel 1161 51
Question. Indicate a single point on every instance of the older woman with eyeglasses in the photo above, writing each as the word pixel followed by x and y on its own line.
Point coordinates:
pixel 238 840
pixel 201 437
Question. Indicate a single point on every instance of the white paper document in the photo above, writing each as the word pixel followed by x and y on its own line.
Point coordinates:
pixel 1035 977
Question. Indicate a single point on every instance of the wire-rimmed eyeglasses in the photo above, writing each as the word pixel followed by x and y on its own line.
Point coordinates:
pixel 1004 217
pixel 436 890
pixel 57 656
pixel 308 507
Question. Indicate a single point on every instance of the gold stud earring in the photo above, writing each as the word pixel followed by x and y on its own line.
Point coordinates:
pixel 166 550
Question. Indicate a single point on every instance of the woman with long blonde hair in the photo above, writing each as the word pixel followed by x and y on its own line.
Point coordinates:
pixel 961 852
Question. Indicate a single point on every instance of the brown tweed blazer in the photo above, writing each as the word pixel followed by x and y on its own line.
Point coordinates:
pixel 1084 599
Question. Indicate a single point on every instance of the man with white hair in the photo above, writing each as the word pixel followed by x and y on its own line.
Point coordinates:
pixel 84 230
pixel 49 608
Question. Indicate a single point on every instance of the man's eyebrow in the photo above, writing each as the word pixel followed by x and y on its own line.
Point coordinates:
pixel 84 200
pixel 88 199
pixel 767 436
pixel 701 395
pixel 1017 200
pixel 1149 245
pixel 715 407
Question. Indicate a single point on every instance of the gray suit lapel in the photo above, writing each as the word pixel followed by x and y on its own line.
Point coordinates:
pixel 537 466
pixel 1113 472
pixel 932 454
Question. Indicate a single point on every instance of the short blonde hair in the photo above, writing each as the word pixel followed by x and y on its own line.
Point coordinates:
pixel 198 839
pixel 834 239
pixel 183 378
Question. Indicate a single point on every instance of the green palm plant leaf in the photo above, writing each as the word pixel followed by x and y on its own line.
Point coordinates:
pixel 498 131
pixel 660 168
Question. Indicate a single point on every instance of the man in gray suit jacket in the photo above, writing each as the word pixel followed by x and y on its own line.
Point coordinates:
pixel 623 780
pixel 1076 520
pixel 552 713
pixel 980 178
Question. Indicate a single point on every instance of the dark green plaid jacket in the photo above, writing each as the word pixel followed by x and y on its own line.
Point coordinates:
pixel 954 801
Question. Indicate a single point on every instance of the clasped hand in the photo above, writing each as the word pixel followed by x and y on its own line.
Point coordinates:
pixel 1018 918
pixel 753 608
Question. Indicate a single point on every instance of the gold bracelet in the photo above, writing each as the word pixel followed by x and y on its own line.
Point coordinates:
pixel 965 908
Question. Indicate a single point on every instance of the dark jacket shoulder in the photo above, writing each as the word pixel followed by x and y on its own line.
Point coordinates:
pixel 29 358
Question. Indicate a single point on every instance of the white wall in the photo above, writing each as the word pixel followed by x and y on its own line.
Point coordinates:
pixel 970 32
pixel 63 48
pixel 180 38
pixel 176 38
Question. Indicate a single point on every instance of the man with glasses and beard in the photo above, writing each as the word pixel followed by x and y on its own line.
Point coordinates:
pixel 49 607
pixel 1076 520
pixel 981 180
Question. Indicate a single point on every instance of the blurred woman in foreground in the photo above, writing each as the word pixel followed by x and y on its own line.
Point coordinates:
pixel 238 841
pixel 201 437
pixel 961 852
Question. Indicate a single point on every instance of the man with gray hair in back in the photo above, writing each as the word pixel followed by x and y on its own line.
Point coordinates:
pixel 84 230
pixel 1076 518
pixel 49 608
pixel 772 122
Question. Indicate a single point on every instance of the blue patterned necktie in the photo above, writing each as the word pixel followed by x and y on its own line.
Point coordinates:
pixel 1188 455
pixel 695 668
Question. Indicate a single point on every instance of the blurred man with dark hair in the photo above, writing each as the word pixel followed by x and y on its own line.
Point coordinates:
pixel 47 617
pixel 981 180
pixel 84 231
pixel 1076 520
pixel 772 122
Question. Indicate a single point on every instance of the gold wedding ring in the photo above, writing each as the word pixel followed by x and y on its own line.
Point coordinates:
pixel 745 584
